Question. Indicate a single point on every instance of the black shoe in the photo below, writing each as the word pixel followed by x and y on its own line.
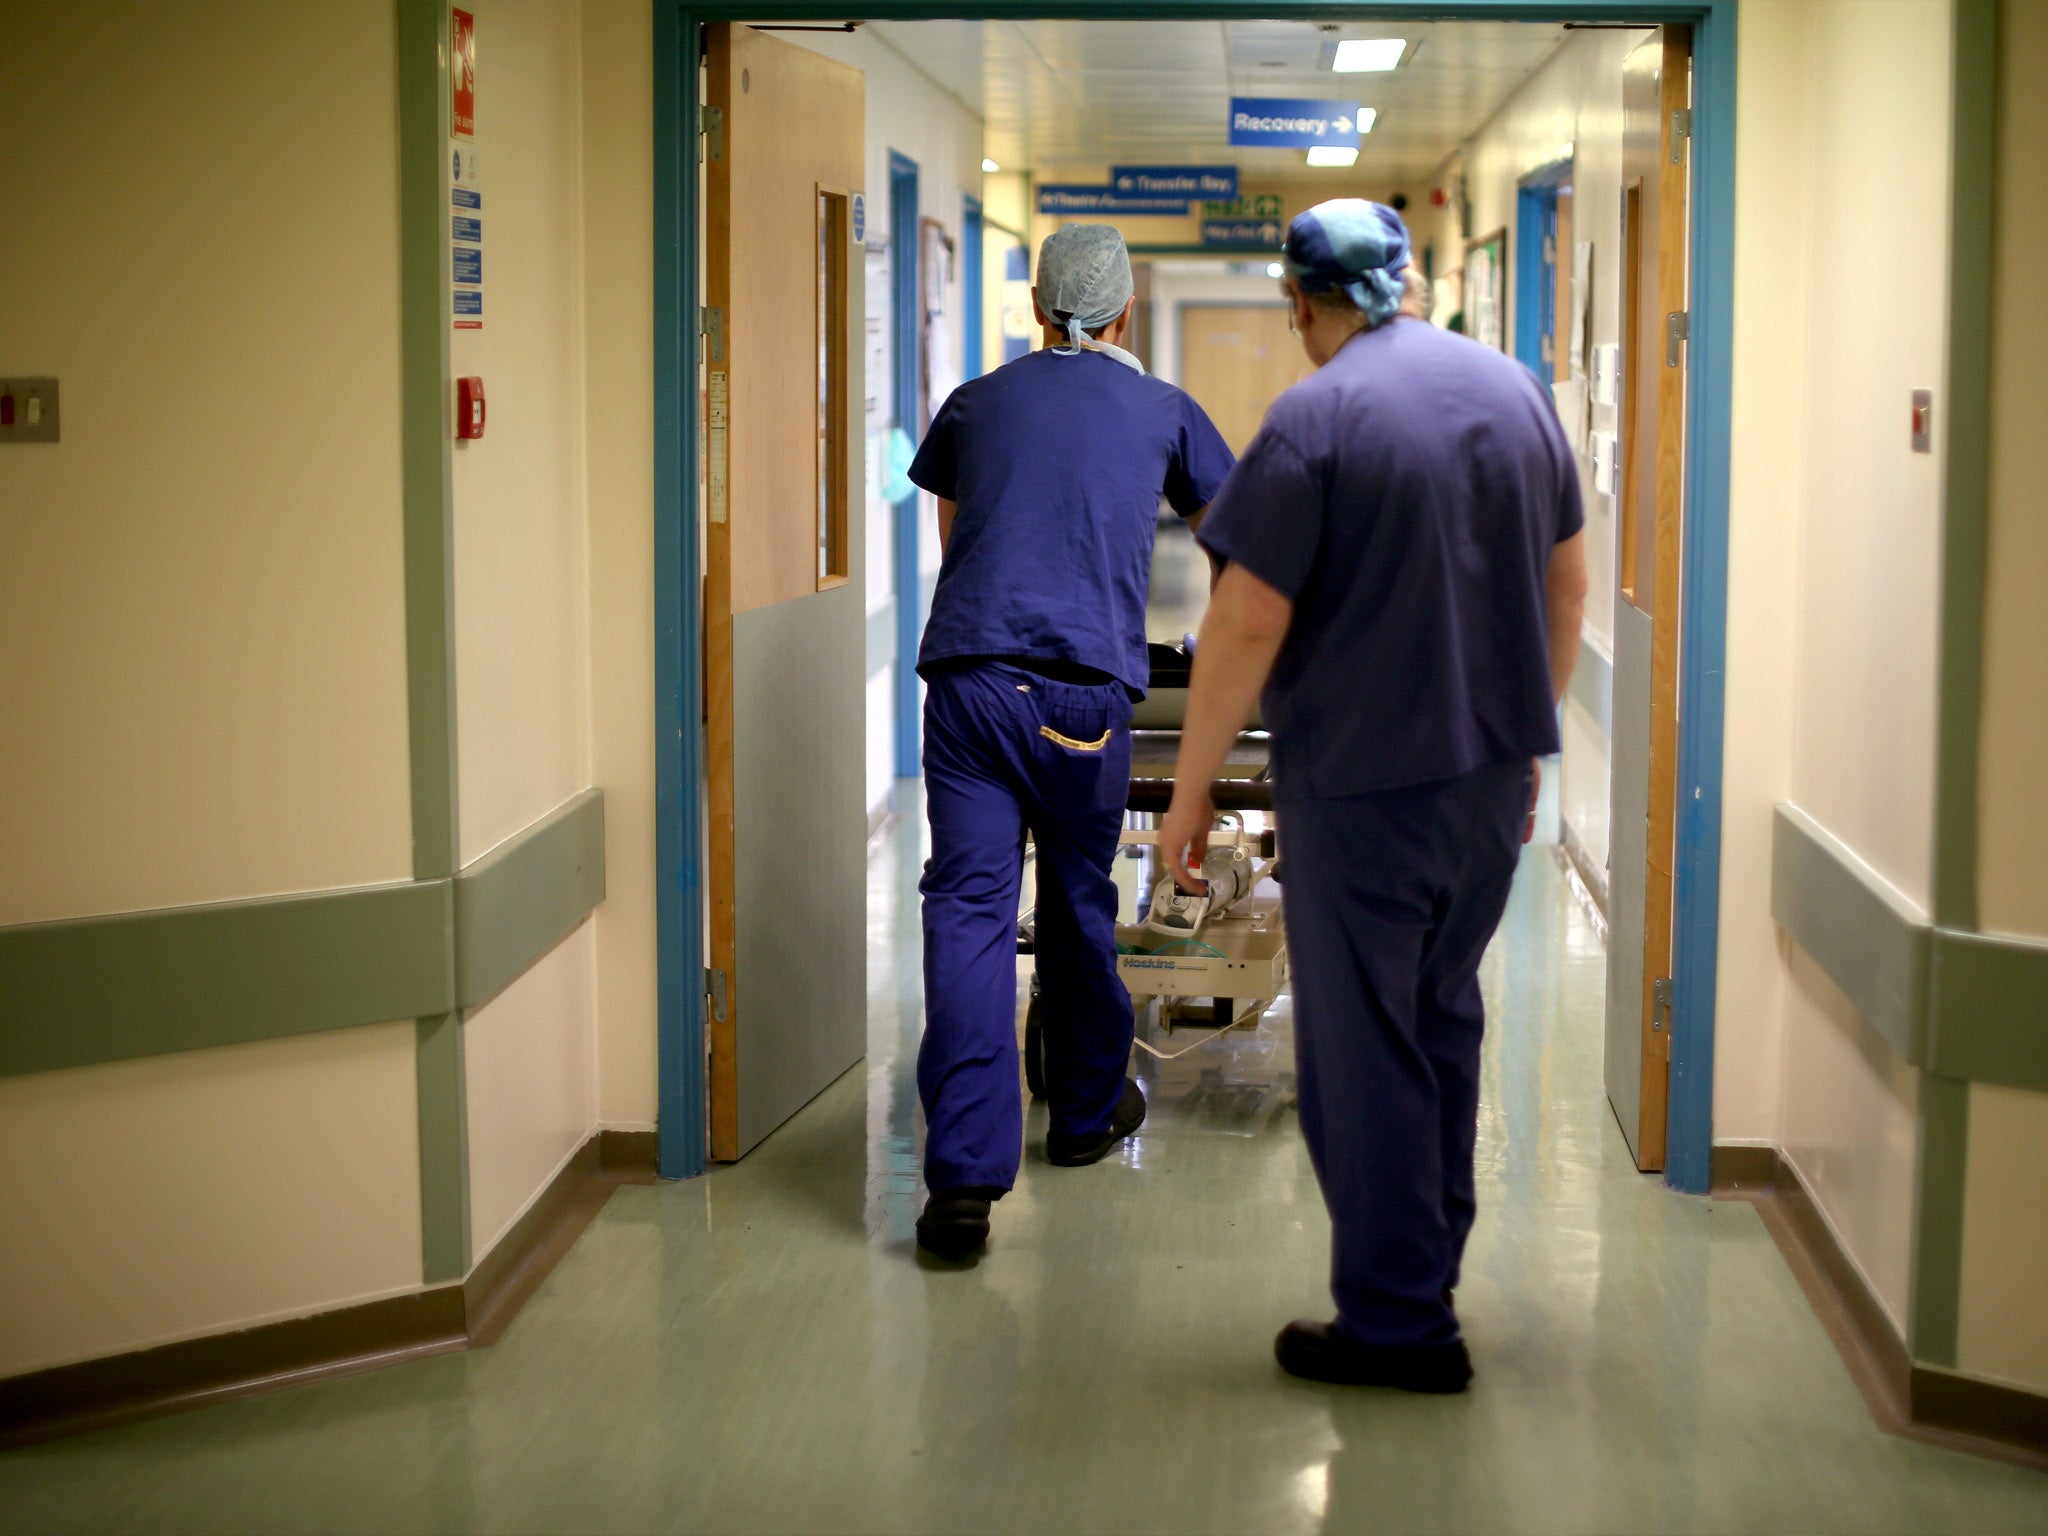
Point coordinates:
pixel 955 1221
pixel 1064 1151
pixel 1315 1351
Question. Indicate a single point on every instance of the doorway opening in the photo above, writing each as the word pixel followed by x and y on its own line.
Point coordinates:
pixel 1682 1010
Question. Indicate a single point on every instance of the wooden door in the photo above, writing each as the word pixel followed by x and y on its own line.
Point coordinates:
pixel 783 642
pixel 1655 161
pixel 1234 359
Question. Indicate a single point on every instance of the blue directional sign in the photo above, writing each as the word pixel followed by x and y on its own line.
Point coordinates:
pixel 1241 234
pixel 1204 183
pixel 1068 198
pixel 1275 122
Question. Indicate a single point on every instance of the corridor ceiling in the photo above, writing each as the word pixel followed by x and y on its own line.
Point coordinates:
pixel 1069 95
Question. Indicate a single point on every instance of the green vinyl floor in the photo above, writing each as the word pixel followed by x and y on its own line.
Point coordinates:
pixel 760 1350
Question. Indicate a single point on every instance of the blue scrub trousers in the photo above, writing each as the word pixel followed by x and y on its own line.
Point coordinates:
pixel 1006 750
pixel 1392 898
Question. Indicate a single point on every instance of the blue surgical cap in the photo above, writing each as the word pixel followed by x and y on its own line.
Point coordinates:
pixel 1353 245
pixel 1084 278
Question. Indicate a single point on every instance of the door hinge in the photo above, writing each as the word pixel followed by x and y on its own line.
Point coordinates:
pixel 1677 331
pixel 1681 130
pixel 711 325
pixel 1662 993
pixel 711 123
pixel 714 992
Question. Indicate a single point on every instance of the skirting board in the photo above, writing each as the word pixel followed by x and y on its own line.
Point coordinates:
pixel 69 1399
pixel 1917 1401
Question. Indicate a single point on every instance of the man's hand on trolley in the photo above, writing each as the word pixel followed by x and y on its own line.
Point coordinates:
pixel 1241 634
pixel 1184 835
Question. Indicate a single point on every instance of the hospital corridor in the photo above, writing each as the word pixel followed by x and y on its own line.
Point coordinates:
pixel 1183 766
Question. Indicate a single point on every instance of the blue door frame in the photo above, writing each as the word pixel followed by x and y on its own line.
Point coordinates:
pixel 906 300
pixel 1534 296
pixel 679 744
pixel 971 317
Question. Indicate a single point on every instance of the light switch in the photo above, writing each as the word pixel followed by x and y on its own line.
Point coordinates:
pixel 28 411
pixel 1923 421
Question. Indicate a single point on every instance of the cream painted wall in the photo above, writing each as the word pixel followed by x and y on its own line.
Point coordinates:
pixel 2002 1330
pixel 522 609
pixel 1766 467
pixel 154 1200
pixel 1833 573
pixel 522 587
pixel 2012 879
pixel 1851 1128
pixel 202 663
pixel 1870 536
pixel 1863 637
pixel 618 414
pixel 531 1060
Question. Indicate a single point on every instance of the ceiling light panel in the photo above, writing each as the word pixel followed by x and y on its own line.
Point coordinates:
pixel 1362 55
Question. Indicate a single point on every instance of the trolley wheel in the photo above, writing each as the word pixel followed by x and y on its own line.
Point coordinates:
pixel 1034 1048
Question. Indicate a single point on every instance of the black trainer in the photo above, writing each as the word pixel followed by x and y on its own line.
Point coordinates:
pixel 1316 1352
pixel 1064 1151
pixel 955 1221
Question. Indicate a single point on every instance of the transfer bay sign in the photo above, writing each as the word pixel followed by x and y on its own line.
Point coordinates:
pixel 1278 122
pixel 1203 182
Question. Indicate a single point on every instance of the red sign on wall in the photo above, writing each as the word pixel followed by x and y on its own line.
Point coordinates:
pixel 462 73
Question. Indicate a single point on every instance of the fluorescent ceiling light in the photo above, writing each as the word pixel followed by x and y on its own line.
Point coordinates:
pixel 1367 116
pixel 1357 55
pixel 1333 154
pixel 1274 269
pixel 990 167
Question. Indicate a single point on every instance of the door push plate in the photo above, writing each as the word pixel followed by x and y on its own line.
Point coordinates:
pixel 1661 995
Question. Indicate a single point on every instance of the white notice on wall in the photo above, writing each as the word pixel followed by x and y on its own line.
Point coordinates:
pixel 466 235
pixel 880 382
pixel 716 408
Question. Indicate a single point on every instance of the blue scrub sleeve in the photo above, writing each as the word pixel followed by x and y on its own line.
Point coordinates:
pixel 1201 460
pixel 937 465
pixel 1269 515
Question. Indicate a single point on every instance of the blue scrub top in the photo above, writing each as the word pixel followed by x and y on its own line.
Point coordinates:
pixel 1406 498
pixel 1057 462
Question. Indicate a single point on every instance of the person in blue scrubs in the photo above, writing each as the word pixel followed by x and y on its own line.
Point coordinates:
pixel 1049 473
pixel 1405 580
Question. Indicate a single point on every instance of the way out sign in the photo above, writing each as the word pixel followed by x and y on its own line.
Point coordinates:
pixel 1273 122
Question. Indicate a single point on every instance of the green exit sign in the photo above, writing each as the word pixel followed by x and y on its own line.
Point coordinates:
pixel 1258 205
